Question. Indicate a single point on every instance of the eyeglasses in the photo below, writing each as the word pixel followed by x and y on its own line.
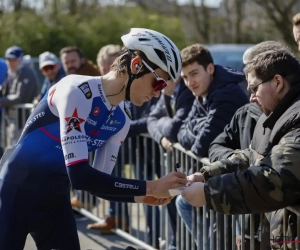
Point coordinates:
pixel 160 83
pixel 47 68
pixel 253 89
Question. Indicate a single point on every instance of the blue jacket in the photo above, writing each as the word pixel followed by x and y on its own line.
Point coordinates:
pixel 3 70
pixel 164 121
pixel 209 116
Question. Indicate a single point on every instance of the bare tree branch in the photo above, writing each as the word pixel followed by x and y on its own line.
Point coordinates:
pixel 280 15
pixel 17 4
pixel 72 6
pixel 240 4
pixel 201 20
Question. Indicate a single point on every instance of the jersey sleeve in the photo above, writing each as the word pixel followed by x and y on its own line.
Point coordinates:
pixel 73 108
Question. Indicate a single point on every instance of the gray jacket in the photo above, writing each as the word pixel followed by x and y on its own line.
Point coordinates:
pixel 22 88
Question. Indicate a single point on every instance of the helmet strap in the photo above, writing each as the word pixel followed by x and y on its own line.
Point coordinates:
pixel 131 76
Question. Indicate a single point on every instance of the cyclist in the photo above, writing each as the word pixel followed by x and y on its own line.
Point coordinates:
pixel 78 115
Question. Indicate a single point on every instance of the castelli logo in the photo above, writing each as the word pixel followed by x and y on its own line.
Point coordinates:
pixel 96 111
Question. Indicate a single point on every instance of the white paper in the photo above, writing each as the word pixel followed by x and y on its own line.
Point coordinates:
pixel 176 191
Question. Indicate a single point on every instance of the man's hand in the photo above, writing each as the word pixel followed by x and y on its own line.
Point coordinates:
pixel 196 177
pixel 194 194
pixel 160 188
pixel 166 144
pixel 152 201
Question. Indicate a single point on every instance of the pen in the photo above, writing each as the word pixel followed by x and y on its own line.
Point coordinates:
pixel 178 168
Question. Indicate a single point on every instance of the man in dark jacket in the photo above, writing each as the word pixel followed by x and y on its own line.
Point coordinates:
pixel 218 96
pixel 265 176
pixel 163 125
pixel 171 110
pixel 237 134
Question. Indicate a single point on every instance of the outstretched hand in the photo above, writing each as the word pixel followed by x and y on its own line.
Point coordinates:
pixel 196 177
pixel 167 144
pixel 194 194
pixel 160 188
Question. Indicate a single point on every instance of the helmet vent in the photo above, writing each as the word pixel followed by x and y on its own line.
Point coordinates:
pixel 172 73
pixel 161 56
pixel 176 61
pixel 144 39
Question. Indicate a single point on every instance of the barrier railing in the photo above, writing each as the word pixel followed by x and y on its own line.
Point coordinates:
pixel 13 120
pixel 152 227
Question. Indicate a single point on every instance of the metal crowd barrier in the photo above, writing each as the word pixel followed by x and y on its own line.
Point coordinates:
pixel 13 120
pixel 140 157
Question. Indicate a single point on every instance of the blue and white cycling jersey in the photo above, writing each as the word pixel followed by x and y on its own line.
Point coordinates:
pixel 73 119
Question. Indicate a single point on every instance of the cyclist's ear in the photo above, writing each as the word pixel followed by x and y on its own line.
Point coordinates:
pixel 136 65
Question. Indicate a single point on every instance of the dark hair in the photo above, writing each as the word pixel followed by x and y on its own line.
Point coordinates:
pixel 272 62
pixel 296 19
pixel 120 63
pixel 70 49
pixel 196 53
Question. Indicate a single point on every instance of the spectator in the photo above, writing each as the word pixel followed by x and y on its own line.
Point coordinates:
pixel 3 74
pixel 218 96
pixel 52 70
pixel 74 62
pixel 20 86
pixel 27 61
pixel 163 125
pixel 296 29
pixel 3 71
pixel 106 57
pixel 238 135
pixel 264 177
pixel 172 108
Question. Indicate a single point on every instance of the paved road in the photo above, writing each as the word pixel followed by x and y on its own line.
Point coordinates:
pixel 92 240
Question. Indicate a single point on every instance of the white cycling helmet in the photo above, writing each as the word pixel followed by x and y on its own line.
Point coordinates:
pixel 158 48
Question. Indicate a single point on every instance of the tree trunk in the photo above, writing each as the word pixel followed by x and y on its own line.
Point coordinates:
pixel 280 13
pixel 17 4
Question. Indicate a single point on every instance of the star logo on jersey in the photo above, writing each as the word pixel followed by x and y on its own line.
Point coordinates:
pixel 74 121
pixel 96 111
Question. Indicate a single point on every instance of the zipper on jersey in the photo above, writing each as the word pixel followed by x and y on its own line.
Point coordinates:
pixel 111 113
